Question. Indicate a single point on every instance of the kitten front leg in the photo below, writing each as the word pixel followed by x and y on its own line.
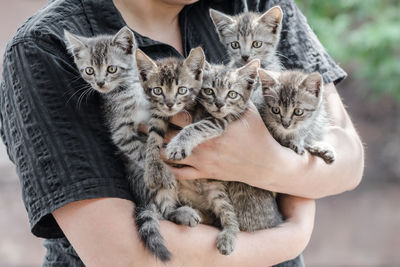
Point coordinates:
pixel 295 145
pixel 322 150
pixel 223 209
pixel 157 173
pixel 167 200
pixel 299 149
pixel 181 146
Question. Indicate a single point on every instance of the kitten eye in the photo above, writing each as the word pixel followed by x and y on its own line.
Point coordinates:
pixel 298 112
pixel 257 44
pixel 208 91
pixel 235 45
pixel 112 69
pixel 89 71
pixel 232 94
pixel 275 110
pixel 157 91
pixel 182 90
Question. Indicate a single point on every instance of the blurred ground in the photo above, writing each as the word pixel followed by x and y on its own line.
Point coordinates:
pixel 358 228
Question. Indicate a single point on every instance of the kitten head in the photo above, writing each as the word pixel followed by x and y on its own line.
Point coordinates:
pixel 226 91
pixel 292 98
pixel 105 62
pixel 249 35
pixel 171 84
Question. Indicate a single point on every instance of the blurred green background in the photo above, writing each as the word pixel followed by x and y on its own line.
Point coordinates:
pixel 362 34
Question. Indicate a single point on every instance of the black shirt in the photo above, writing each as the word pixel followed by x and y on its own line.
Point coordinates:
pixel 56 136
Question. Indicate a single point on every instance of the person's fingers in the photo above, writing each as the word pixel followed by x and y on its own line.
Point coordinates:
pixel 170 134
pixel 181 119
pixel 186 173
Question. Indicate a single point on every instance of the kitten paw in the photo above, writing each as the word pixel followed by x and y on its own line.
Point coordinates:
pixel 299 150
pixel 226 242
pixel 176 151
pixel 323 151
pixel 185 215
pixel 157 175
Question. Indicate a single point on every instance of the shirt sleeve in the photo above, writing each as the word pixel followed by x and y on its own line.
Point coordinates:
pixel 55 134
pixel 299 47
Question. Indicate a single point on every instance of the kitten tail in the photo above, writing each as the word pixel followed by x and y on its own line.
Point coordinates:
pixel 149 232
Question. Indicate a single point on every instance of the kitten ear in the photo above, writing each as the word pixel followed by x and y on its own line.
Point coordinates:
pixel 220 20
pixel 144 64
pixel 195 62
pixel 248 73
pixel 74 42
pixel 125 39
pixel 207 66
pixel 269 79
pixel 272 18
pixel 313 83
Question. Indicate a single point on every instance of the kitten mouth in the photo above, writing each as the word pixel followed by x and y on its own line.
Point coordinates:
pixel 219 114
pixel 170 111
pixel 286 128
pixel 102 89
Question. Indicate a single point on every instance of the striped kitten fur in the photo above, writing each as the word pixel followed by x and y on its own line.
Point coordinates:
pixel 108 64
pixel 171 86
pixel 250 35
pixel 294 111
pixel 233 206
pixel 223 98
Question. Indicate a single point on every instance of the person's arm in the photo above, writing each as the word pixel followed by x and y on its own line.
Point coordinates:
pixel 103 233
pixel 264 163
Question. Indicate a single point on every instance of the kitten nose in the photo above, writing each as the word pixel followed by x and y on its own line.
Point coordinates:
pixel 245 57
pixel 169 105
pixel 219 104
pixel 100 84
pixel 286 124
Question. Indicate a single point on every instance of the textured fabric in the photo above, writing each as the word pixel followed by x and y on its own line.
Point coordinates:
pixel 55 134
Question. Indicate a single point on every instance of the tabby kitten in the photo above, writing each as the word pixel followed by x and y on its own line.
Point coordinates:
pixel 107 63
pixel 250 35
pixel 295 112
pixel 171 86
pixel 223 98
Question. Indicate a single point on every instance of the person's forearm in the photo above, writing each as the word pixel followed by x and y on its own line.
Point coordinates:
pixel 196 246
pixel 309 176
pixel 103 233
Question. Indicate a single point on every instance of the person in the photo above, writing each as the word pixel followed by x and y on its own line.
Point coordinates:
pixel 73 183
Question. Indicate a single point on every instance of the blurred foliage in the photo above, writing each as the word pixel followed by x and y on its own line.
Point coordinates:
pixel 361 33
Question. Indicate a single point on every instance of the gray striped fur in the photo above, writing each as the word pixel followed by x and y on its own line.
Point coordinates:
pixel 162 81
pixel 216 112
pixel 125 108
pixel 247 28
pixel 290 90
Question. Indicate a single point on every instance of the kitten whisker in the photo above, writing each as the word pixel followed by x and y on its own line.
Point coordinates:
pixel 281 55
pixel 82 96
pixel 83 88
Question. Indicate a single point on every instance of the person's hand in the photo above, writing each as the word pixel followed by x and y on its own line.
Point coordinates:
pixel 245 152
